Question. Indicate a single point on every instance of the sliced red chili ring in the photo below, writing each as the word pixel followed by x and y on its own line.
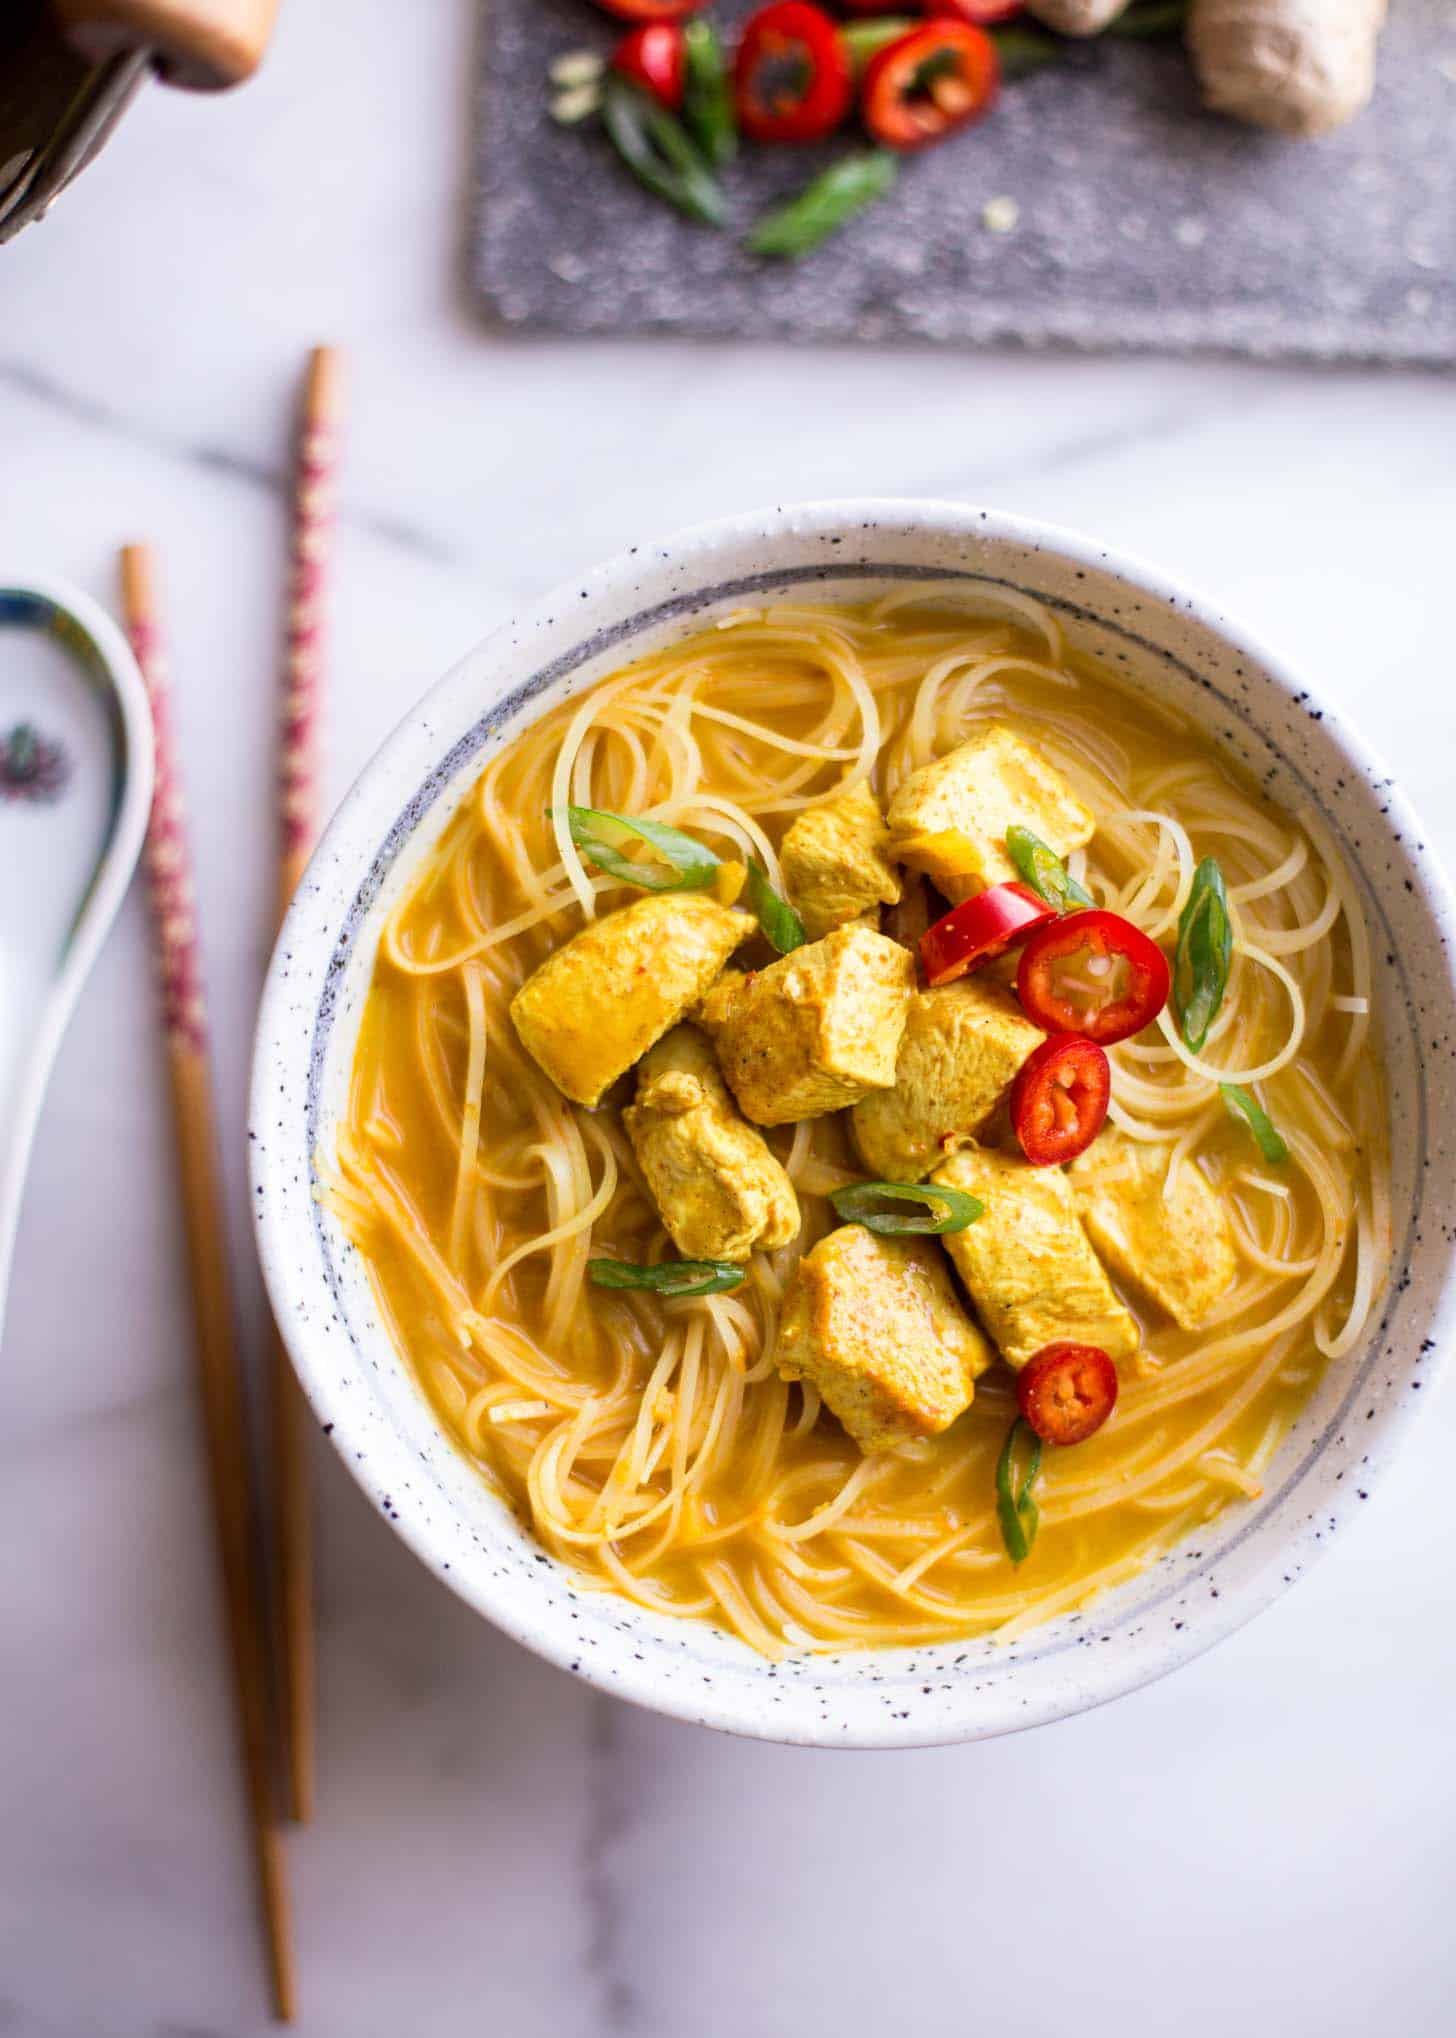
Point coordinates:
pixel 651 10
pixel 1093 973
pixel 792 77
pixel 1059 1099
pixel 929 83
pixel 980 13
pixel 653 57
pixel 1067 1392
pixel 979 928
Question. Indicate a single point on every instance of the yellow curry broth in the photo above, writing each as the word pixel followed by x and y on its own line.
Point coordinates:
pixel 915 1552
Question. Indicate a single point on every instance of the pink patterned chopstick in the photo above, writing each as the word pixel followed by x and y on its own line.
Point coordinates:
pixel 219 1371
pixel 298 813
pixel 168 856
pixel 315 484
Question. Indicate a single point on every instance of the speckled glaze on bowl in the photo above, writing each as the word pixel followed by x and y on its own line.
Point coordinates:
pixel 1164 640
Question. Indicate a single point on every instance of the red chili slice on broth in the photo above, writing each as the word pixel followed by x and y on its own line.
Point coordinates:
pixel 1059 1099
pixel 931 82
pixel 1067 1392
pixel 653 57
pixel 792 78
pixel 1093 973
pixel 980 928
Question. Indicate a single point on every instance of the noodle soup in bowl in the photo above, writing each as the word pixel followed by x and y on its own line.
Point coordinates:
pixel 771 1496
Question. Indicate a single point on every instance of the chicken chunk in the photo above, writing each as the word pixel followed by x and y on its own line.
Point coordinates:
pixel 818 1029
pixel 1026 1263
pixel 950 818
pixel 874 1323
pixel 962 1047
pixel 1177 1250
pixel 836 862
pixel 598 1003
pixel 719 1189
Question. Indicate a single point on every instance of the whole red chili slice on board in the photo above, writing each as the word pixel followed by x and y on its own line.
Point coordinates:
pixel 979 928
pixel 932 81
pixel 1059 1099
pixel 1092 973
pixel 979 13
pixel 792 79
pixel 652 56
pixel 651 10
pixel 1067 1392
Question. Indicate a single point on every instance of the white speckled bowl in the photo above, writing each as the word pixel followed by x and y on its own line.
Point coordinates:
pixel 1162 639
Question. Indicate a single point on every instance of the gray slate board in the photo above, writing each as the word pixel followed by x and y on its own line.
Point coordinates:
pixel 1143 222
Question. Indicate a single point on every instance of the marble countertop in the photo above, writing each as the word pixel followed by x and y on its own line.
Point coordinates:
pixel 1268 1839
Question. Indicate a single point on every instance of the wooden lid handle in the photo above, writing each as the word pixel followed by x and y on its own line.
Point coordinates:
pixel 204 44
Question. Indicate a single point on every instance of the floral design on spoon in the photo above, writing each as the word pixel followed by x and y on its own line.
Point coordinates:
pixel 32 766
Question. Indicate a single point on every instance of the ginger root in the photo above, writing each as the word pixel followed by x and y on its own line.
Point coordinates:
pixel 1299 66
pixel 1076 17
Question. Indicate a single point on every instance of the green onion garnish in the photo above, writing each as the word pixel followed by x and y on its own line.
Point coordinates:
pixel 708 94
pixel 946 1209
pixel 685 866
pixel 1243 1104
pixel 1018 1511
pixel 1044 871
pixel 821 208
pixel 1150 19
pixel 865 39
pixel 777 918
pixel 1023 50
pixel 671 1277
pixel 660 152
pixel 1205 952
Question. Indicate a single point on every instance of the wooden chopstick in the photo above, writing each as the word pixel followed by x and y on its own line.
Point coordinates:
pixel 219 1374
pixel 298 812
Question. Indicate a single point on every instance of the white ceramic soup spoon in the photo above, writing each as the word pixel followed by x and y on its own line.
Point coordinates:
pixel 75 791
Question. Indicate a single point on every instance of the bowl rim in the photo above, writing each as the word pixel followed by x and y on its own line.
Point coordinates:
pixel 299 1303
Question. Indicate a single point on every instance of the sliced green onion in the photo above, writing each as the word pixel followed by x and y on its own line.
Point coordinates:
pixel 708 94
pixel 1024 50
pixel 685 867
pixel 1018 1511
pixel 947 1209
pixel 670 1277
pixel 1243 1104
pixel 1148 19
pixel 777 918
pixel 1044 871
pixel 1205 953
pixel 824 206
pixel 660 152
pixel 865 39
